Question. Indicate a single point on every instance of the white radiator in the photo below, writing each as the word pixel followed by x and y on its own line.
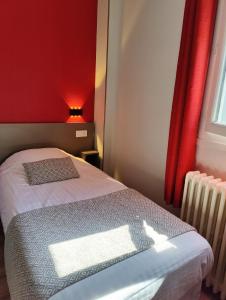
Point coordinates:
pixel 204 207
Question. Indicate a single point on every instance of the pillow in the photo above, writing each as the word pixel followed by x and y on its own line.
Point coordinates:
pixel 50 170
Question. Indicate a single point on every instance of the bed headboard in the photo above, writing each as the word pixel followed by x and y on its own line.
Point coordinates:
pixel 17 137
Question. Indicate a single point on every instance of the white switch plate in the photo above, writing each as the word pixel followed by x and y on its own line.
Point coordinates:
pixel 81 133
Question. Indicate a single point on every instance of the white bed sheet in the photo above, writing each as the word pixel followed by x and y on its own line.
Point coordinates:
pixel 17 196
pixel 174 271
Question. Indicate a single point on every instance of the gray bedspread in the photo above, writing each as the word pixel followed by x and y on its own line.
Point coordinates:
pixel 51 248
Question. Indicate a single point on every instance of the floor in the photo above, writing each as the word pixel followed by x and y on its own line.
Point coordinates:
pixel 208 295
pixel 4 292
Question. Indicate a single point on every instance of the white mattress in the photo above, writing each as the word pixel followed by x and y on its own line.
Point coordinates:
pixel 173 271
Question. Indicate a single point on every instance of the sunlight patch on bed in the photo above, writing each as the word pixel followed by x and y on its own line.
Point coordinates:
pixel 161 241
pixel 81 253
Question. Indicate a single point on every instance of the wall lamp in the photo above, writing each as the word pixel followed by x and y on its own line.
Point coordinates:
pixel 75 112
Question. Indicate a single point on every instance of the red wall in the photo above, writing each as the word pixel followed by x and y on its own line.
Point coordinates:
pixel 47 59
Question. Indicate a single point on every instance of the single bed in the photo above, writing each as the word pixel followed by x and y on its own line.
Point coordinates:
pixel 172 269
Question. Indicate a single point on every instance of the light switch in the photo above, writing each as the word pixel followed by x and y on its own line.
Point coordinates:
pixel 81 133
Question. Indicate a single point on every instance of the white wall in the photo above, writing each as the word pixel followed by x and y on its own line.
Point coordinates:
pixel 211 158
pixel 113 67
pixel 144 38
pixel 100 84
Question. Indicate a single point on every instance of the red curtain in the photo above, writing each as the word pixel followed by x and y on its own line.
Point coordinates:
pixel 194 55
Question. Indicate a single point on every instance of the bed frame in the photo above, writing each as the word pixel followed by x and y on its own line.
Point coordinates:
pixel 17 137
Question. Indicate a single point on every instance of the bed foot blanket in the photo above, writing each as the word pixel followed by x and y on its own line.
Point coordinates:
pixel 50 248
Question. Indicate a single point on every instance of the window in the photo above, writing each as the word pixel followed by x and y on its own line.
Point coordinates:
pixel 219 114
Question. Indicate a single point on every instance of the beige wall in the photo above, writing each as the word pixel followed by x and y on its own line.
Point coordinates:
pixel 144 38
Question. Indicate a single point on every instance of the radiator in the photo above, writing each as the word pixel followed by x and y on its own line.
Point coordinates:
pixel 204 207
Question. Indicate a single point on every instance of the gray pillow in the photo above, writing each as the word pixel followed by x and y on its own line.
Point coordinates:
pixel 50 170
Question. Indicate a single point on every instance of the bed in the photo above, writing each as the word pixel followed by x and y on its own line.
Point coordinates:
pixel 171 268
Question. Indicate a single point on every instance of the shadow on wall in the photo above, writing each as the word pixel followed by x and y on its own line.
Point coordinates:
pixel 145 182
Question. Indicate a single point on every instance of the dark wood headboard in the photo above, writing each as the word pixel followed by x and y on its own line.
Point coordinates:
pixel 17 137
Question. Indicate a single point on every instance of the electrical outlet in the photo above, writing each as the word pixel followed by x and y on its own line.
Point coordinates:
pixel 81 133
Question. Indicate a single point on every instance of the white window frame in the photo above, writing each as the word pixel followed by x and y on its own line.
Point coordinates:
pixel 209 130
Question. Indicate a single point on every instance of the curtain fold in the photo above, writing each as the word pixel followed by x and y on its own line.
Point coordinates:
pixel 193 61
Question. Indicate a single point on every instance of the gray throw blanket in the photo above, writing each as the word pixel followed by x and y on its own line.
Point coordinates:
pixel 51 248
